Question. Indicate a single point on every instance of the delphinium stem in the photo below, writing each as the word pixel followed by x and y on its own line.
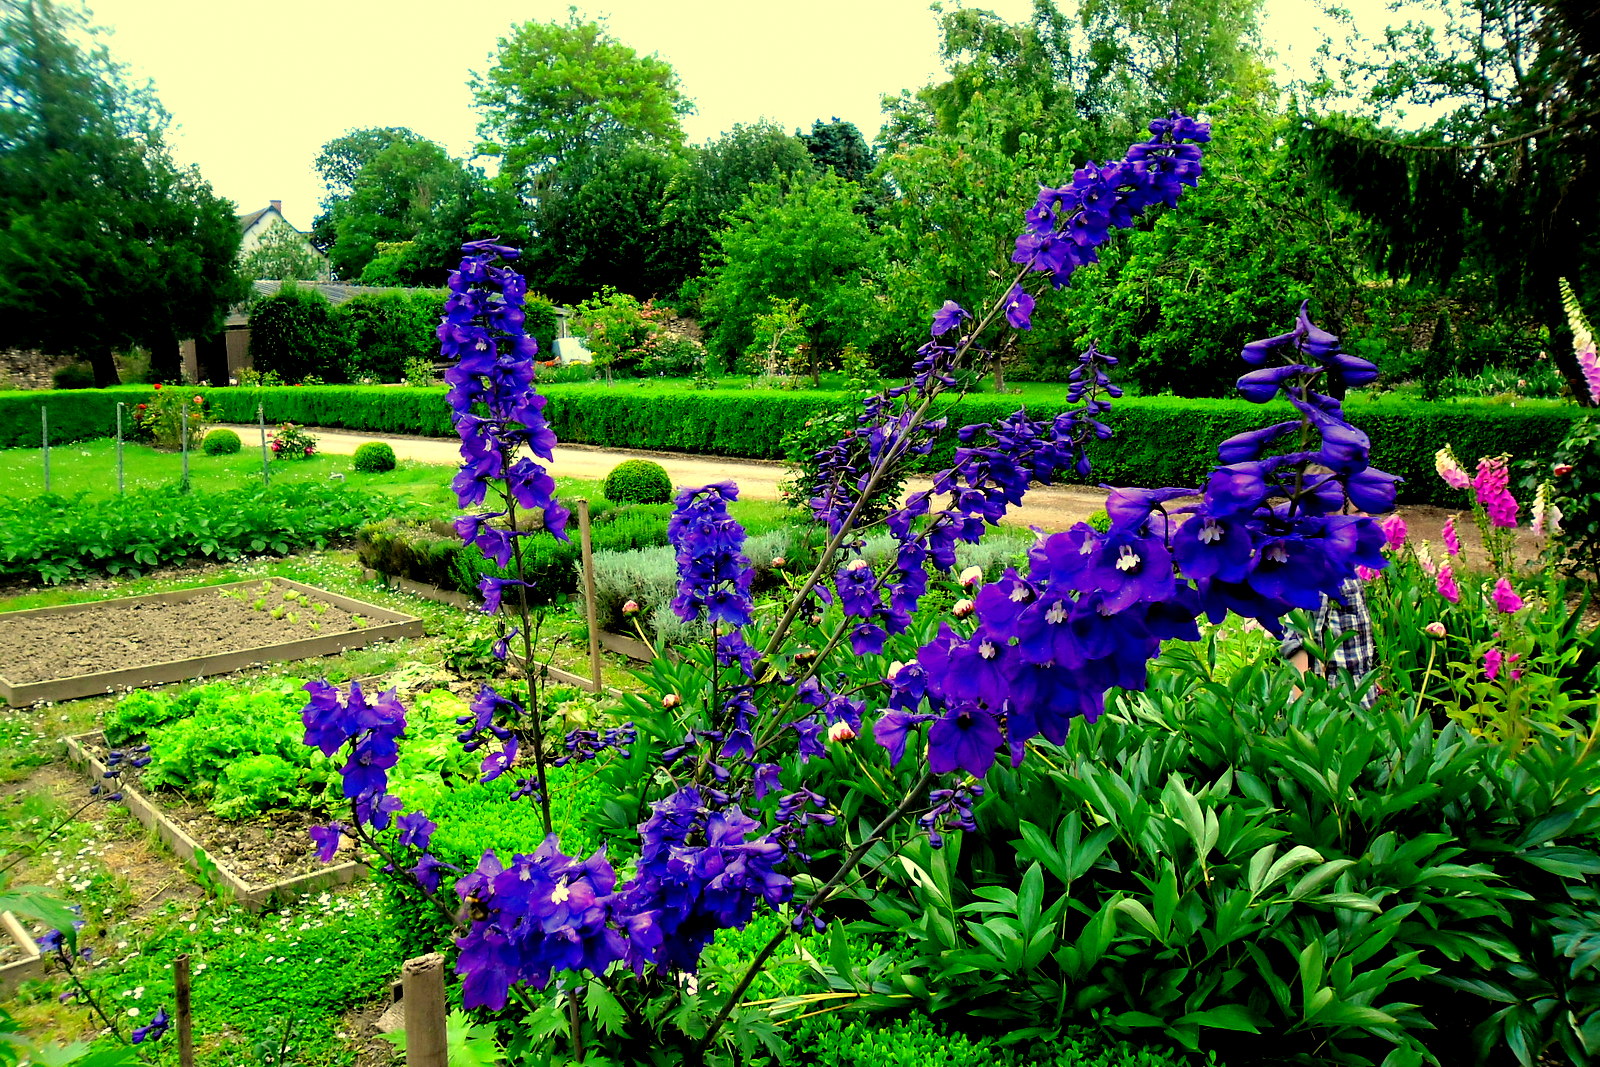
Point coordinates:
pixel 818 900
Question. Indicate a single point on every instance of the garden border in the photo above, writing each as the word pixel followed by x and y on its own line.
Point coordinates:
pixel 391 624
pixel 18 971
pixel 252 898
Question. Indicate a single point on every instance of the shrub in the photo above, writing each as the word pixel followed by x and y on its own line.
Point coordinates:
pixel 387 330
pixel 221 442
pixel 638 481
pixel 74 376
pixel 293 442
pixel 297 333
pixel 374 457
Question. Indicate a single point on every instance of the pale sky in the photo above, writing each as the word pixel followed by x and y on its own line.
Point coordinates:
pixel 256 89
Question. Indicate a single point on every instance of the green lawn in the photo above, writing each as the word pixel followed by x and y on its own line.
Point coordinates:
pixel 1030 392
pixel 90 467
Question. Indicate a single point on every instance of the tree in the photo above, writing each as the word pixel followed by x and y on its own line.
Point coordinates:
pixel 105 242
pixel 393 199
pixel 1504 184
pixel 1158 55
pixel 338 165
pixel 838 146
pixel 557 90
pixel 603 223
pixel 719 175
pixel 1177 299
pixel 282 254
pixel 808 244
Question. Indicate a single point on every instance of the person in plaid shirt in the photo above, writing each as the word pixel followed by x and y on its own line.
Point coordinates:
pixel 1356 654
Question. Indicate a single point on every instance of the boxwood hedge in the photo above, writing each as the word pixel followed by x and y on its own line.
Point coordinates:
pixel 1160 440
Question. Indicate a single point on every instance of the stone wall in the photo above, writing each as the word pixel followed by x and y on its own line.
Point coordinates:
pixel 29 370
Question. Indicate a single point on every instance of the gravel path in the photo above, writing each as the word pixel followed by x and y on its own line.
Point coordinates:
pixel 1045 508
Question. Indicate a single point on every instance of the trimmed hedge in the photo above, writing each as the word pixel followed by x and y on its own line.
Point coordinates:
pixel 1160 440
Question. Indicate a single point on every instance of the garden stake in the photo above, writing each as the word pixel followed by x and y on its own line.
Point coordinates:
pixel 180 993
pixel 44 422
pixel 184 437
pixel 120 406
pixel 261 417
pixel 422 985
pixel 588 593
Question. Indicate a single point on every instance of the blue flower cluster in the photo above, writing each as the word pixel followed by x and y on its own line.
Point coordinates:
pixel 1268 535
pixel 543 913
pixel 713 574
pixel 1067 224
pixel 484 331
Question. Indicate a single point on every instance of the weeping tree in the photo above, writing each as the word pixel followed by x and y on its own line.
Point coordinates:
pixel 1504 183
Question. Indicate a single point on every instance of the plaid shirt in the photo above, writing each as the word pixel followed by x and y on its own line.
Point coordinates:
pixel 1356 654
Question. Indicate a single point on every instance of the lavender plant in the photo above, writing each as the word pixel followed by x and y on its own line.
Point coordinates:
pixel 730 812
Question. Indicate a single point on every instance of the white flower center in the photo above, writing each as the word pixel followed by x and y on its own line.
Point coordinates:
pixel 1127 558
pixel 1277 553
pixel 987 650
pixel 1210 532
pixel 561 893
pixel 1057 614
pixel 1019 593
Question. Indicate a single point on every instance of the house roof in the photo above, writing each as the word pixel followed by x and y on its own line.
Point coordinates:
pixel 247 221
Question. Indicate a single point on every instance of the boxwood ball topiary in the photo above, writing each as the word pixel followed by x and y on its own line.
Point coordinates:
pixel 221 443
pixel 638 481
pixel 374 457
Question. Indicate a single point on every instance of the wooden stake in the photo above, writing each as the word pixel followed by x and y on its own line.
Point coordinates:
pixel 261 417
pixel 180 971
pixel 120 406
pixel 427 1035
pixel 587 544
pixel 44 422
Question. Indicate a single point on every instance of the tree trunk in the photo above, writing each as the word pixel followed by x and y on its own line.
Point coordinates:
pixel 105 367
pixel 999 373
pixel 166 360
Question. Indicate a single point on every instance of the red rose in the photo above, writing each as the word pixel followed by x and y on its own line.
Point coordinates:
pixel 1561 470
pixel 158 385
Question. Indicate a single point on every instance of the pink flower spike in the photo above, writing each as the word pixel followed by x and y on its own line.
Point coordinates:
pixel 1394 530
pixel 1447 585
pixel 1506 598
pixel 1492 487
pixel 1366 574
pixel 1493 660
pixel 1452 542
pixel 1444 461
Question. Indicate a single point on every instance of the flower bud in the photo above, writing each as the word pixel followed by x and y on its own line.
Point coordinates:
pixel 895 668
pixel 1561 470
pixel 1434 629
pixel 963 608
pixel 777 562
pixel 971 577
pixel 857 564
pixel 840 731
pixel 630 607
pixel 671 700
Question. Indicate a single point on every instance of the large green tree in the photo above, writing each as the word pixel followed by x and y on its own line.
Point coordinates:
pixel 1503 184
pixel 602 224
pixel 338 164
pixel 808 244
pixel 719 174
pixel 105 242
pixel 559 89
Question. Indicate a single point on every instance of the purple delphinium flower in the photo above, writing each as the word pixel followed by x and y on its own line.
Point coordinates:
pixel 158 1025
pixel 326 838
pixel 713 574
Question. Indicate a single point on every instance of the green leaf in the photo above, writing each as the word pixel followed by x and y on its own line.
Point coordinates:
pixel 604 1008
pixel 1223 1017
pixel 1140 915
pixel 1564 860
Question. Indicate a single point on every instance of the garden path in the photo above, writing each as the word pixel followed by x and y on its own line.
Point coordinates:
pixel 1050 508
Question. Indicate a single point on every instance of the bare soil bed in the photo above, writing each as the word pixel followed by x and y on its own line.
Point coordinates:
pixel 266 848
pixel 35 647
